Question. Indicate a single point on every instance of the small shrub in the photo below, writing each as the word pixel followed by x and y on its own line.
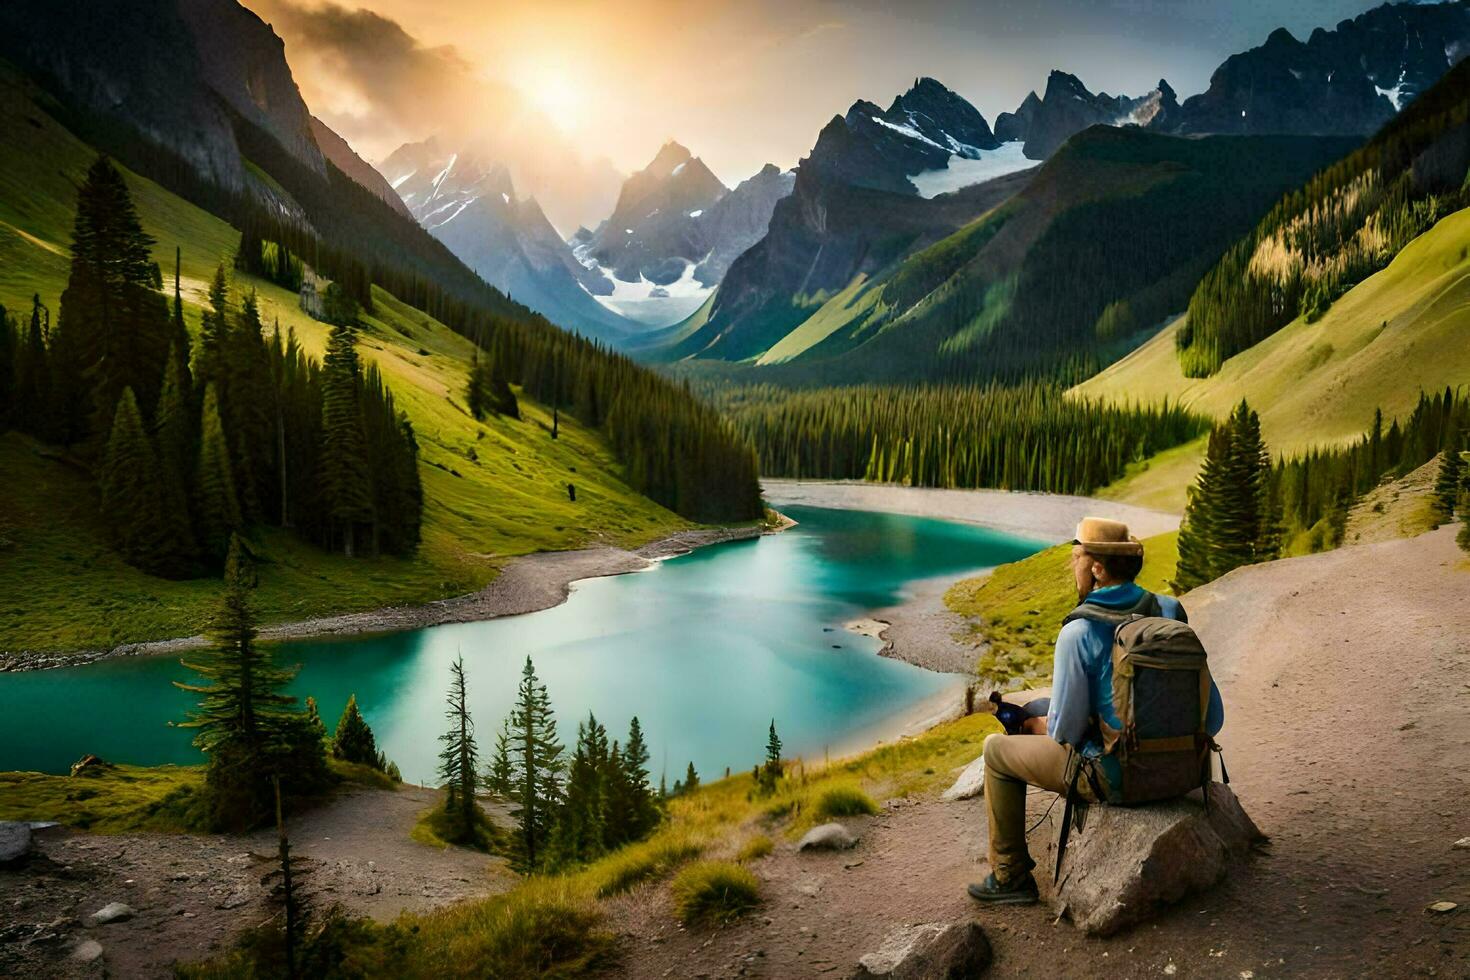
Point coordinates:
pixel 844 801
pixel 638 862
pixel 757 847
pixel 544 929
pixel 714 893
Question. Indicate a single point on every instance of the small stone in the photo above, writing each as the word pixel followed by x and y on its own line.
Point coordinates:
pixel 111 912
pixel 829 836
pixel 1463 844
pixel 87 951
pixel 1441 907
pixel 933 949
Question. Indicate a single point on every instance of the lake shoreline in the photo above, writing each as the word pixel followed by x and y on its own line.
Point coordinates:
pixel 528 583
pixel 922 630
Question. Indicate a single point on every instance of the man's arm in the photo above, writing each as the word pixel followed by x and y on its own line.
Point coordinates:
pixel 1071 701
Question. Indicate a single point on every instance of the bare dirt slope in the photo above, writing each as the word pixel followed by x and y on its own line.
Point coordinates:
pixel 1346 678
pixel 193 893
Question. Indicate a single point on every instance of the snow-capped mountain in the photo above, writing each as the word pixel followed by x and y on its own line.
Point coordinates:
pixel 472 207
pixel 674 233
pixel 1349 80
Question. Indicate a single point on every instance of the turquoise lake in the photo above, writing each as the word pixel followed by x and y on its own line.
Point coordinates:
pixel 705 649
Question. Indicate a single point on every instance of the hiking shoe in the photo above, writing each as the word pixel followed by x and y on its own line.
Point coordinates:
pixel 1022 891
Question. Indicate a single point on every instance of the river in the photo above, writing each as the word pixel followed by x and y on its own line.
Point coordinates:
pixel 706 649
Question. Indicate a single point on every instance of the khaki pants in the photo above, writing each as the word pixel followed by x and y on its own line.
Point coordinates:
pixel 1012 762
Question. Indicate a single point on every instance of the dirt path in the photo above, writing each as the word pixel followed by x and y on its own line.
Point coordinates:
pixel 193 893
pixel 1346 678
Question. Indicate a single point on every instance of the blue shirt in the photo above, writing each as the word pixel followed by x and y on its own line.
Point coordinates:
pixel 1082 676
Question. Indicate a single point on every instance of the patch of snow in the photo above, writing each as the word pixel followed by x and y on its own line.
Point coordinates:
pixel 442 174
pixel 505 197
pixel 1395 95
pixel 456 214
pixel 695 214
pixel 964 171
pixel 677 170
pixel 908 131
pixel 399 182
pixel 627 231
pixel 649 303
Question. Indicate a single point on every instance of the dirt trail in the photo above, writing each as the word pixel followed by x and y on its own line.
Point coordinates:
pixel 1346 678
pixel 193 893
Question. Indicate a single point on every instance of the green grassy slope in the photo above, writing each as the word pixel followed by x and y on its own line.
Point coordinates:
pixel 1018 608
pixel 1404 329
pixel 492 489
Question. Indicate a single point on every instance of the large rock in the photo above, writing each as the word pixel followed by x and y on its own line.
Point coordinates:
pixel 1130 862
pixel 970 784
pixel 934 950
pixel 15 840
pixel 828 837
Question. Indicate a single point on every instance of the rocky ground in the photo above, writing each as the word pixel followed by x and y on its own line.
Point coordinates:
pixel 1346 678
pixel 188 895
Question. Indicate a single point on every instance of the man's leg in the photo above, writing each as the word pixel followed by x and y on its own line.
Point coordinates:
pixel 1011 763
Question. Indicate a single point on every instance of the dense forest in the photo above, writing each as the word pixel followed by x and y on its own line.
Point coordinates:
pixel 1027 437
pixel 1345 224
pixel 1244 508
pixel 188 450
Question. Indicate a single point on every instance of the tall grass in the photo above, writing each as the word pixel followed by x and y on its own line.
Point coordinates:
pixel 714 893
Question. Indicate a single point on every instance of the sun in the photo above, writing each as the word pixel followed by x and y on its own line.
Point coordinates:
pixel 555 92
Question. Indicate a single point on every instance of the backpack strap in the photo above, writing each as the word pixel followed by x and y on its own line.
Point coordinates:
pixel 1147 605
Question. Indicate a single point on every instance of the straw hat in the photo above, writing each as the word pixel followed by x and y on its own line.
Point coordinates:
pixel 1100 536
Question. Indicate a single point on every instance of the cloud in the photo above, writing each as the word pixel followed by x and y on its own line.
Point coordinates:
pixel 376 84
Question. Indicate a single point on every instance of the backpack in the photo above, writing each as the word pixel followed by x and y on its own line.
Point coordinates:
pixel 1161 694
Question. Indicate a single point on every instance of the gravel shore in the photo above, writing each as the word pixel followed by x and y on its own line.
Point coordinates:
pixel 526 584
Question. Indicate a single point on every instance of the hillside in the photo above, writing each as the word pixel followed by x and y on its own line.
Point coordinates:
pixel 1092 251
pixel 492 489
pixel 1400 331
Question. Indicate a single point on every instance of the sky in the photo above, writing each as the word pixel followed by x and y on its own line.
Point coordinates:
pixel 741 84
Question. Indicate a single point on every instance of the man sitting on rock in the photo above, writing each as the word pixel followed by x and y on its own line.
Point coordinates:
pixel 1105 561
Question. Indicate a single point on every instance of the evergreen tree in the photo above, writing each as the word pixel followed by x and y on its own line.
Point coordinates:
pixel 768 774
pixel 1447 483
pixel 536 767
pixel 33 374
pixel 214 335
pixel 179 331
pixel 218 508
pixel 642 811
pixel 248 413
pixel 578 836
pixel 345 483
pixel 691 778
pixel 244 722
pixel 458 764
pixel 147 535
pixel 353 740
pixel 314 721
pixel 174 434
pixel 475 396
pixel 500 779
pixel 113 331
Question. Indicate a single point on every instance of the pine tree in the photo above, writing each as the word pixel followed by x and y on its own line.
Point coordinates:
pixel 536 766
pixel 768 774
pixel 1447 483
pixel 33 374
pixel 353 740
pixel 174 435
pixel 499 780
pixel 179 331
pixel 579 832
pixel 458 764
pixel 214 484
pixel 244 722
pixel 642 811
pixel 113 331
pixel 214 334
pixel 345 482
pixel 691 778
pixel 248 412
pixel 147 536
pixel 475 396
pixel 314 721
